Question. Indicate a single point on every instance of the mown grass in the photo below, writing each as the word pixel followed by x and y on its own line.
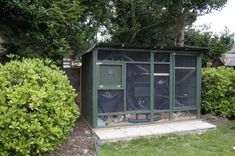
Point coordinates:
pixel 218 142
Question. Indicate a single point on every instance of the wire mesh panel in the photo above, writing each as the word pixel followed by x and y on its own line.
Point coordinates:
pixel 138 87
pixel 123 56
pixel 161 117
pixel 138 118
pixel 110 76
pixel 185 81
pixel 185 115
pixel 161 87
pixel 111 120
pixel 110 101
pixel 162 57
pixel 123 119
pixel 185 61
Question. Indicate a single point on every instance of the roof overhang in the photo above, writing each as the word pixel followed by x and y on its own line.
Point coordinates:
pixel 146 48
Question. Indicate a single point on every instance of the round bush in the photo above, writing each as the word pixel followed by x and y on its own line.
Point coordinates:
pixel 37 107
pixel 218 91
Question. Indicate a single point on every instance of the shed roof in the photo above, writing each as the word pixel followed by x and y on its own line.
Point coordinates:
pixel 228 60
pixel 147 48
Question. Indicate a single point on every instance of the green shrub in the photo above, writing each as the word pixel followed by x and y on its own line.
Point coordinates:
pixel 218 91
pixel 37 107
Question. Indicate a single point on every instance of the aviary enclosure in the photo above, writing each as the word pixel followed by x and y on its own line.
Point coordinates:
pixel 124 85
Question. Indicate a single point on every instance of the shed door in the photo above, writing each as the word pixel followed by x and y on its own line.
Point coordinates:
pixel 138 87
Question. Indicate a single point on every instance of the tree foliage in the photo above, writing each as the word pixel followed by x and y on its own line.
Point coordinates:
pixel 218 44
pixel 46 28
pixel 156 22
pixel 56 28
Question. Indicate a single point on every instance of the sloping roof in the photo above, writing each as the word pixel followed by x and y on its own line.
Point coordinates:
pixel 228 60
pixel 152 48
pixel 128 46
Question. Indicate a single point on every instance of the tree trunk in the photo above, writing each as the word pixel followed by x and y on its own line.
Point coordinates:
pixel 179 42
pixel 181 37
pixel 133 12
pixel 134 20
pixel 2 49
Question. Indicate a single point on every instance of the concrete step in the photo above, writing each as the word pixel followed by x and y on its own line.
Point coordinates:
pixel 131 132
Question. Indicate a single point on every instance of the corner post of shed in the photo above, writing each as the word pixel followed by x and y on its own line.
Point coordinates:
pixel 199 75
pixel 95 87
pixel 151 86
pixel 172 84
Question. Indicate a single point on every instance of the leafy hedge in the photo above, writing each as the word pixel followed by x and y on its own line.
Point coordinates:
pixel 218 91
pixel 37 107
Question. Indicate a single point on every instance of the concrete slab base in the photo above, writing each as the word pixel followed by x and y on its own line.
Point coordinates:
pixel 131 132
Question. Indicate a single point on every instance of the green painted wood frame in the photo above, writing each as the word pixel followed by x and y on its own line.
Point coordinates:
pixel 171 63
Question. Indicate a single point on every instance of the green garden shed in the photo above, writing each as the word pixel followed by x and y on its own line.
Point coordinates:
pixel 129 85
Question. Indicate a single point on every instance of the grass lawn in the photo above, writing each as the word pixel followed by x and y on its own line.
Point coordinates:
pixel 218 142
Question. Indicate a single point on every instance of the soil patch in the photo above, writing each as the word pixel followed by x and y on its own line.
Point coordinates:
pixel 216 120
